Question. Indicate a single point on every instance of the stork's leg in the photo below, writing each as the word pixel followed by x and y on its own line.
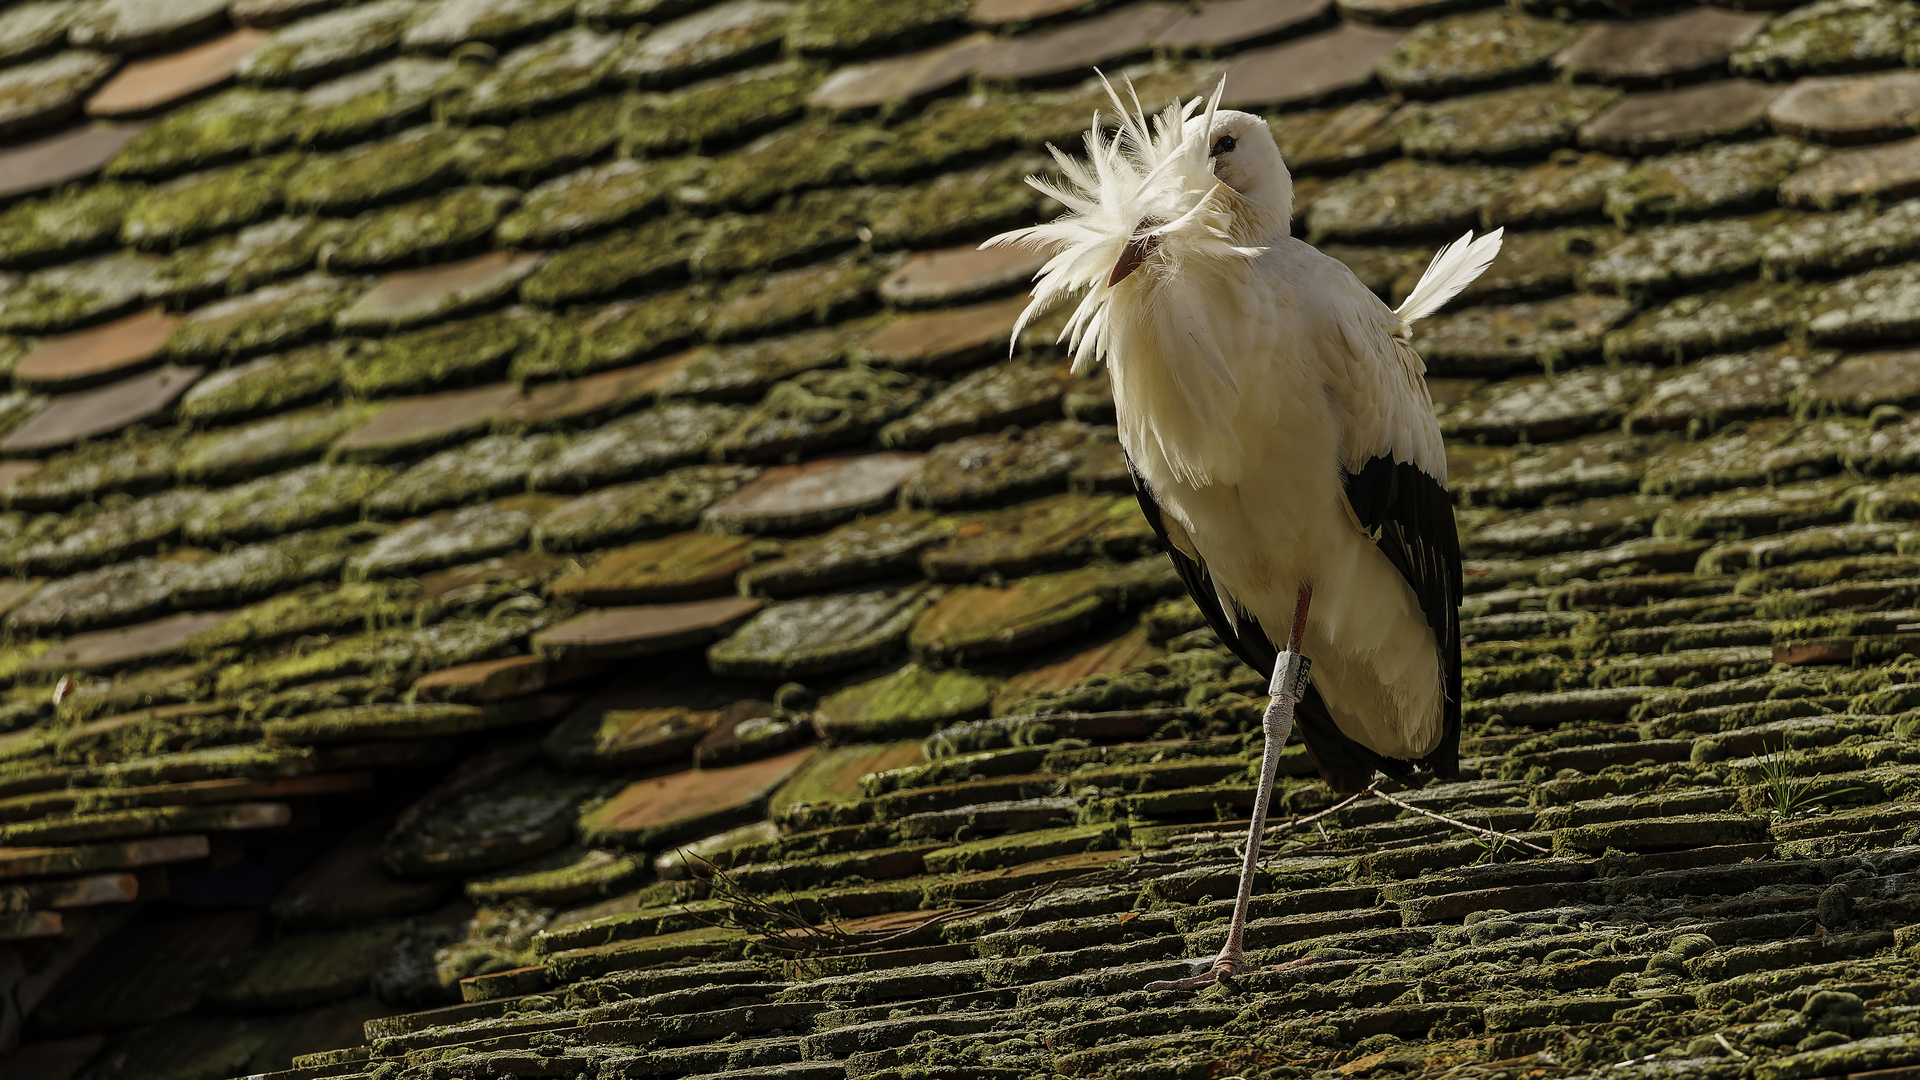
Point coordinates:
pixel 1289 682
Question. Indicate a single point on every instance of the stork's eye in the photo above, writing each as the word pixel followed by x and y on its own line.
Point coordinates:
pixel 1223 145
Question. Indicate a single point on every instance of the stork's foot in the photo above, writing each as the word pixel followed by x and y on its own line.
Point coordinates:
pixel 1223 966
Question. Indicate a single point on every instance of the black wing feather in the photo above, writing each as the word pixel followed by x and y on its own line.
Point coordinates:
pixel 1411 518
pixel 1343 763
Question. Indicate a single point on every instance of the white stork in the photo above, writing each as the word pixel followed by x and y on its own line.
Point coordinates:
pixel 1281 437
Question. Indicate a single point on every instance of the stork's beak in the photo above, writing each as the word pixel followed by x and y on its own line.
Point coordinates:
pixel 1136 253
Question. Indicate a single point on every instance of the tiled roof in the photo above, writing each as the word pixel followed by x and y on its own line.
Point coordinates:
pixel 528 557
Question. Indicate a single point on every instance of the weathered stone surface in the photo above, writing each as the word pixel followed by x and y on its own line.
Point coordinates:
pixel 985 470
pixel 204 203
pixel 644 509
pixel 37 231
pixel 73 295
pixel 725 35
pixel 814 495
pixel 1748 314
pixel 1742 176
pixel 420 231
pixel 451 22
pixel 1459 52
pixel 820 410
pixel 131 26
pixel 754 304
pixel 1230 23
pixel 721 111
pixel 821 635
pixel 592 339
pixel 1337 138
pixel 1744 512
pixel 1676 119
pixel 34 29
pixel 1838 110
pixel 411 296
pixel 962 204
pixel 1752 454
pixel 595 397
pixel 596 197
pixel 459 353
pixel 104 650
pixel 94 413
pixel 684 566
pixel 1057 530
pixel 1875 306
pixel 622 632
pixel 1017 393
pixel 225 127
pixel 1548 406
pixel 650 252
pixel 1848 175
pixel 904 78
pixel 1566 186
pixel 1308 69
pixel 425 422
pixel 1827 36
pixel 1856 239
pixel 867 548
pixel 453 536
pixel 653 813
pixel 1724 388
pixel 378 99
pixel 1081 44
pixel 517 817
pixel 1522 122
pixel 302 498
pixel 1861 382
pixel 972 622
pixel 1650 50
pixel 248 259
pixel 394 167
pixel 645 443
pixel 1553 334
pixel 1404 199
pixel 329 44
pixel 146 85
pixel 481 469
pixel 41 93
pixel 1669 257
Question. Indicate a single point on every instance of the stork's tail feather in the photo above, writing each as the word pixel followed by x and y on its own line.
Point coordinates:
pixel 1453 269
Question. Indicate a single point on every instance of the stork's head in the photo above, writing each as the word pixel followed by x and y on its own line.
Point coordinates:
pixel 1155 201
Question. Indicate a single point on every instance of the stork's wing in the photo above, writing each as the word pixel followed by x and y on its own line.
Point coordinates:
pixel 1410 517
pixel 1343 763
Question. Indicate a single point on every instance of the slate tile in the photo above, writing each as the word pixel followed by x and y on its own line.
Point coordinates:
pixel 407 297
pixel 307 497
pixel 1551 335
pixel 517 817
pixel 685 566
pixel 145 86
pixel 639 445
pixel 1310 69
pixel 715 113
pixel 1336 139
pixel 426 422
pixel 1677 119
pixel 870 547
pixel 436 227
pixel 134 464
pixel 559 69
pixel 1734 387
pixel 268 14
pixel 270 443
pixel 1085 43
pixel 130 26
pixel 962 204
pixel 1748 314
pixel 638 510
pixel 729 34
pixel 649 253
pixel 1825 37
pixel 1460 52
pixel 270 317
pixel 1742 176
pixel 1530 264
pixel 106 650
pixel 817 494
pixel 1226 24
pixel 453 536
pixel 1649 51
pixel 42 93
pixel 682 806
pixel 383 98
pixel 123 593
pixel 93 413
pixel 77 293
pixel 228 126
pixel 995 396
pixel 827 409
pixel 1670 257
pixel 1566 186
pixel 483 468
pixel 88 357
pixel 960 273
pixel 1548 406
pixel 624 632
pixel 1404 199
pixel 1522 122
pixel 830 28
pixel 755 304
pixel 240 262
pixel 591 339
pixel 1848 109
pixel 286 561
pixel 448 23
pixel 986 470
pixel 1753 454
pixel 1863 381
pixel 1875 306
pixel 904 78
pixel 29 167
pixel 1892 171
pixel 328 45
pixel 1855 239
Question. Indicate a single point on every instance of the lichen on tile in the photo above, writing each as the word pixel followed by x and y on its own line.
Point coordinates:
pixel 639 445
pixel 820 410
pixel 463 352
pixel 641 509
pixel 268 384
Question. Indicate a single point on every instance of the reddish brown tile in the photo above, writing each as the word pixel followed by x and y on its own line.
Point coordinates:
pixel 103 649
pixel 416 423
pixel 1649 123
pixel 935 277
pixel 495 680
pixel 903 78
pixel 93 413
pixel 944 339
pixel 684 566
pixel 666 809
pixel 90 355
pixel 817 493
pixel 1849 109
pixel 1227 23
pixel 57 159
pixel 411 296
pixel 1081 44
pixel 580 400
pixel 1648 50
pixel 1322 65
pixel 623 632
pixel 146 85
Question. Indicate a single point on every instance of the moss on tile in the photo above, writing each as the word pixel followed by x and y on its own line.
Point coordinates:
pixel 71 295
pixel 754 304
pixel 273 316
pixel 625 257
pixel 311 609
pixel 1336 139
pixel 1523 122
pixel 138 461
pixel 327 45
pixel 1856 239
pixel 1404 199
pixel 851 27
pixel 594 198
pixel 398 651
pixel 400 165
pixel 242 261
pixel 821 635
pixel 481 469
pixel 640 445
pixel 268 384
pixel 992 397
pixel 387 97
pixel 1829 36
pixel 63 224
pixel 420 231
pixel 720 111
pixel 588 340
pixel 1458 52
pixel 989 470
pixel 958 204
pixel 443 26
pixel 1567 186
pixel 452 536
pixel 564 877
pixel 820 410
pixel 910 702
pixel 261 446
pixel 1739 177
pixel 537 147
pixel 744 371
pixel 116 525
pixel 867 548
pixel 539 75
pixel 464 352
pixel 270 566
pixel 810 224
pixel 114 595
pixel 303 498
pixel 1749 314
pixel 234 124
pixel 639 510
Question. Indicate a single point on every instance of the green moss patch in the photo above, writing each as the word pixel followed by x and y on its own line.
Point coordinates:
pixel 402 652
pixel 865 549
pixel 540 146
pixel 270 566
pixel 820 635
pixel 248 259
pixel 910 702
pixel 119 525
pixel 136 463
pixel 963 203
pixel 1829 36
pixel 303 498
pixel 526 814
pixel 743 372
pixel 453 537
pixel 227 126
pixel 1743 176
pixel 481 469
pixel 268 384
pixel 990 470
pixel 72 295
pixel 464 352
pixel 1749 314
pixel 720 111
pixel 992 397
pixel 1459 52
pixel 638 445
pixel 594 339
pixel 850 27
pixel 820 410
pixel 271 317
pixel 1523 122
pixel 593 198
pixel 56 226
pixel 1566 186
pixel 755 304
pixel 558 69
pixel 387 97
pixel 274 442
pixel 422 230
pixel 122 593
pixel 573 877
pixel 328 44
pixel 313 609
pixel 625 257
pixel 1404 199
pixel 219 200
pixel 812 223
pixel 394 167
pixel 649 508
